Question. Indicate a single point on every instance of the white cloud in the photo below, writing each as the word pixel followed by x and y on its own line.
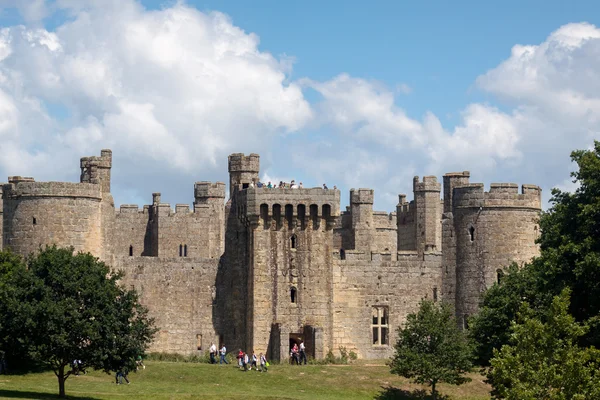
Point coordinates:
pixel 174 91
pixel 170 90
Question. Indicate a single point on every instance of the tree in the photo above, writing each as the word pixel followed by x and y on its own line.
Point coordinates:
pixel 569 258
pixel 70 307
pixel 431 348
pixel 543 359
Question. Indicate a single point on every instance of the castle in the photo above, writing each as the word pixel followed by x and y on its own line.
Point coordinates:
pixel 275 266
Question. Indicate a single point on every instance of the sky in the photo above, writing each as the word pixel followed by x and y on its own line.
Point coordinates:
pixel 349 93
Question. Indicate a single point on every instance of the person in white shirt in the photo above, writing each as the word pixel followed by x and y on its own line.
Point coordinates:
pixel 223 353
pixel 302 353
pixel 213 353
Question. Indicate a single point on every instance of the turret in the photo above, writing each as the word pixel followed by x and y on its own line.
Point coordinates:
pixel 361 204
pixel 452 180
pixel 427 213
pixel 242 171
pixel 97 170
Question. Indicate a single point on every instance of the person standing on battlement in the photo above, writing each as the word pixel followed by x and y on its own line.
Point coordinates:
pixel 293 185
pixel 325 187
pixel 300 185
pixel 269 185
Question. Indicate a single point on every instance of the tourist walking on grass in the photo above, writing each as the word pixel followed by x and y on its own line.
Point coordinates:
pixel 213 353
pixel 263 363
pixel 254 361
pixel 302 353
pixel 223 353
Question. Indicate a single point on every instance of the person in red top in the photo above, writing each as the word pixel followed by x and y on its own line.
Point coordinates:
pixel 240 358
pixel 295 354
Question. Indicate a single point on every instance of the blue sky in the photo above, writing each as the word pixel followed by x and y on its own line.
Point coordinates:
pixel 350 93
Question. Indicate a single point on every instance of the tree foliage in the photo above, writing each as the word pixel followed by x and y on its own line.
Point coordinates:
pixel 66 307
pixel 543 359
pixel 569 258
pixel 431 348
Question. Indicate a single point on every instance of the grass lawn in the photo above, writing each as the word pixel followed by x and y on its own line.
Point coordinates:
pixel 168 380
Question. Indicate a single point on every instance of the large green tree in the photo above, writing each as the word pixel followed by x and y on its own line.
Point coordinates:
pixel 569 258
pixel 543 359
pixel 431 348
pixel 66 307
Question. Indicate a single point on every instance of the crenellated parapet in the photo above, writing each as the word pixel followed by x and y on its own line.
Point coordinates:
pixel 25 187
pixel 209 193
pixel 503 195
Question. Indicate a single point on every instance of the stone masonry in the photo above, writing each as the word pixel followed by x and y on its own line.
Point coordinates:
pixel 270 267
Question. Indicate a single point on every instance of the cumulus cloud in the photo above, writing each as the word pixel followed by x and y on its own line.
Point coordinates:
pixel 174 91
pixel 170 90
pixel 550 98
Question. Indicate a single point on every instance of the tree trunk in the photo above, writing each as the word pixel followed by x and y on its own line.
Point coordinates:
pixel 61 381
pixel 433 391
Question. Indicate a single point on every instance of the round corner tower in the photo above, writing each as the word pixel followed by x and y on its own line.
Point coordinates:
pixel 242 171
pixel 492 230
pixel 66 214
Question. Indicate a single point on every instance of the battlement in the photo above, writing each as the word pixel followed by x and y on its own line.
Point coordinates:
pixel 238 162
pixel 429 184
pixel 96 170
pixel 326 202
pixel 207 192
pixel 504 195
pixel 18 179
pixel 133 209
pixel 19 187
pixel 361 196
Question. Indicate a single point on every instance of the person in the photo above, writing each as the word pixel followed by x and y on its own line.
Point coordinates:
pixel 213 353
pixel 120 375
pixel 254 361
pixel 293 185
pixel 223 353
pixel 263 363
pixel 302 352
pixel 252 184
pixel 240 358
pixel 246 362
pixel 139 363
pixel 300 186
pixel 295 354
pixel 269 185
pixel 280 184
pixel 334 187
pixel 325 187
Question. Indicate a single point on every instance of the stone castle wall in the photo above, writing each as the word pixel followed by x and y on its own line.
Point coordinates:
pixel 275 266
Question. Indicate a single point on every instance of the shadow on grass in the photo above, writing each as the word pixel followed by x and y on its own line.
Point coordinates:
pixel 392 393
pixel 17 394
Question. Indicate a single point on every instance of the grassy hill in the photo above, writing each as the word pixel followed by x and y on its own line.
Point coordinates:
pixel 170 380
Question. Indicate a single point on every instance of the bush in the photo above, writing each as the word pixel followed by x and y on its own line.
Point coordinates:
pixel 203 358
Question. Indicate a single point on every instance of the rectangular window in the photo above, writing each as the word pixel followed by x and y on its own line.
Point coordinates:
pixel 380 326
pixel 199 342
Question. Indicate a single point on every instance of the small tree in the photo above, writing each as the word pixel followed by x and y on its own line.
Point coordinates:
pixel 69 307
pixel 543 360
pixel 431 348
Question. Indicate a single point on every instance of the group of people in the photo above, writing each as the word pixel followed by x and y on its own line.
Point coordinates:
pixel 283 185
pixel 214 352
pixel 298 354
pixel 245 361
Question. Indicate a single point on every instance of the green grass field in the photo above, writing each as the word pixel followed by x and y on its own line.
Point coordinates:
pixel 168 380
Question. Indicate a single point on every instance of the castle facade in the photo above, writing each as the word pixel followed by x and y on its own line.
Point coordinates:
pixel 270 267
